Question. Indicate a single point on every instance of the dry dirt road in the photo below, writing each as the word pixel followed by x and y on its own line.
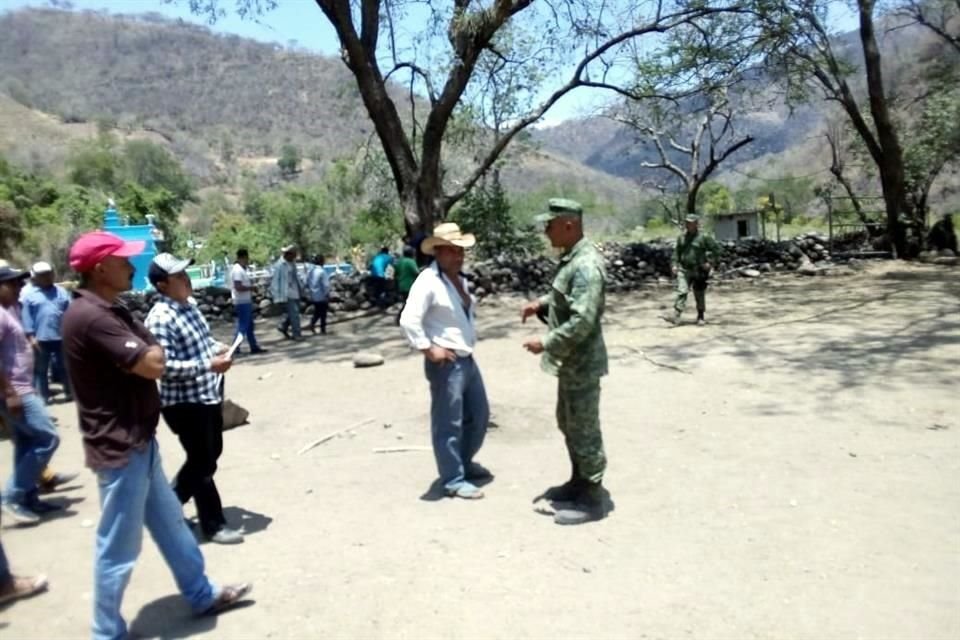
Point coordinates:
pixel 791 470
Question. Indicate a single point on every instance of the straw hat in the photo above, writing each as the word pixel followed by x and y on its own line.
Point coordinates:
pixel 447 234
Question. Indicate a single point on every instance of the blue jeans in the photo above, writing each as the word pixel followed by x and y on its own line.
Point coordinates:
pixel 132 496
pixel 459 414
pixel 291 320
pixel 244 312
pixel 50 352
pixel 34 441
pixel 4 565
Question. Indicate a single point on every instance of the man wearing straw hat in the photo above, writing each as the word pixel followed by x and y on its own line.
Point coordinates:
pixel 574 351
pixel 438 320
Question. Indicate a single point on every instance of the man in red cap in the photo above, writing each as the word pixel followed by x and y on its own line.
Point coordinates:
pixel 114 363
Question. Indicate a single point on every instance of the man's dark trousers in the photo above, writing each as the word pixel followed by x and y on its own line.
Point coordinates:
pixel 200 429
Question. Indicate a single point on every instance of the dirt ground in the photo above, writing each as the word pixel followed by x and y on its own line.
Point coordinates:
pixel 791 470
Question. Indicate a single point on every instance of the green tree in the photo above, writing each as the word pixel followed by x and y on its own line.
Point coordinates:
pixel 933 142
pixel 153 167
pixel 503 52
pixel 485 211
pixel 94 163
pixel 289 161
pixel 714 198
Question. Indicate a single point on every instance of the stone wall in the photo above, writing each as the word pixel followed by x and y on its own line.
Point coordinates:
pixel 629 266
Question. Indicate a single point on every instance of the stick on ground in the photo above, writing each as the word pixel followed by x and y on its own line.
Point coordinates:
pixel 331 436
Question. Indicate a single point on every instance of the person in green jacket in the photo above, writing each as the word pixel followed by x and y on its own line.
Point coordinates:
pixel 405 272
pixel 693 259
pixel 573 351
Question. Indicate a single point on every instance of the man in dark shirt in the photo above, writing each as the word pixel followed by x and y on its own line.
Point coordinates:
pixel 113 363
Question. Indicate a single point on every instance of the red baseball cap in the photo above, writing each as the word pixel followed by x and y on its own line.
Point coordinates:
pixel 91 248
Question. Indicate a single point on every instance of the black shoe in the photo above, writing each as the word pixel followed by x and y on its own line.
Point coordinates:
pixel 566 492
pixel 41 507
pixel 587 507
pixel 285 332
pixel 258 350
pixel 476 471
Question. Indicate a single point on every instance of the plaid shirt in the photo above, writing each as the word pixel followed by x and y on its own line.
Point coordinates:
pixel 189 348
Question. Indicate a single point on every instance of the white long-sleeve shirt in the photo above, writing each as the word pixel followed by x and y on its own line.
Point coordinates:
pixel 434 314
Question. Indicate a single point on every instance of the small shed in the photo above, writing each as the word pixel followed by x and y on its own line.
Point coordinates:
pixel 738 225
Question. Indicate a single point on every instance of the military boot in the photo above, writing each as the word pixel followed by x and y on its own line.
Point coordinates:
pixel 568 491
pixel 672 318
pixel 587 507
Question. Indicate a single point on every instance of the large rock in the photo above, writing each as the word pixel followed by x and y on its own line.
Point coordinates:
pixel 367 359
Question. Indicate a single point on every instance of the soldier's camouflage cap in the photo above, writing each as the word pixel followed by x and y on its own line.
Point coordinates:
pixel 559 207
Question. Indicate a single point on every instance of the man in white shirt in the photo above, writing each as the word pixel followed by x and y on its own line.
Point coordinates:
pixel 287 291
pixel 438 320
pixel 241 289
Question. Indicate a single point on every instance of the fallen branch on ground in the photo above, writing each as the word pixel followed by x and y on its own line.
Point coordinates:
pixel 654 362
pixel 331 436
pixel 400 449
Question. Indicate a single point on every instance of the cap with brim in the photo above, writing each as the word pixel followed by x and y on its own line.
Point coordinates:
pixel 165 265
pixel 40 268
pixel 90 249
pixel 8 274
pixel 447 234
pixel 558 208
pixel 692 218
pixel 288 248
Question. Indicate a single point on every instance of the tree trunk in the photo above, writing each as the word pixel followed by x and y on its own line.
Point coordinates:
pixel 692 196
pixel 890 162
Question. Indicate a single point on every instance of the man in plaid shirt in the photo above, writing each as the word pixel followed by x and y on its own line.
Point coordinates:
pixel 190 391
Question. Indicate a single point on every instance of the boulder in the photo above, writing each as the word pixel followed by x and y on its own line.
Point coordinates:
pixel 367 359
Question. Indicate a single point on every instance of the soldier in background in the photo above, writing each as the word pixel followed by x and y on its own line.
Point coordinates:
pixel 693 260
pixel 574 351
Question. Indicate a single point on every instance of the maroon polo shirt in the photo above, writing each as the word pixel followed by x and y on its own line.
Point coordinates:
pixel 119 410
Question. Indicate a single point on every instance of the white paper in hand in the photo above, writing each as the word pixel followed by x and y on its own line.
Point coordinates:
pixel 236 344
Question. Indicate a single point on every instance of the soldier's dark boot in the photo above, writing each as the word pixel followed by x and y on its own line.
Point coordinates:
pixel 701 320
pixel 566 492
pixel 587 507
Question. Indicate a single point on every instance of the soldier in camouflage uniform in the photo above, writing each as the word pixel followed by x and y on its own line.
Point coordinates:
pixel 693 260
pixel 573 350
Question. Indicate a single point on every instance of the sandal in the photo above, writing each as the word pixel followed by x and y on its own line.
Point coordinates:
pixel 22 587
pixel 229 596
pixel 466 491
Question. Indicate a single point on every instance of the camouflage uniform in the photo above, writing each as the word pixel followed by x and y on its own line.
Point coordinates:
pixel 574 351
pixel 692 253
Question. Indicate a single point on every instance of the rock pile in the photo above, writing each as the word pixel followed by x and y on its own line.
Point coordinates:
pixel 629 266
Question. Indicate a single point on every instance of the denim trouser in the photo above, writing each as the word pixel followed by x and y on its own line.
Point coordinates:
pixel 34 441
pixel 132 496
pixel 459 414
pixel 4 566
pixel 291 320
pixel 244 312
pixel 50 352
